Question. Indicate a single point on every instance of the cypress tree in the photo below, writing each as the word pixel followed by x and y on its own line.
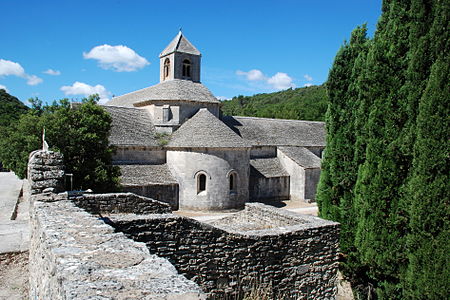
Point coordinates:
pixel 335 191
pixel 381 219
pixel 428 242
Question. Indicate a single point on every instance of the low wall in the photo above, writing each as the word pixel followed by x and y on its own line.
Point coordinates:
pixel 167 193
pixel 74 255
pixel 119 203
pixel 45 171
pixel 294 254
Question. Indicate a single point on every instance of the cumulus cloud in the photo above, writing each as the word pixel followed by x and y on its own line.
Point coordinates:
pixel 81 88
pixel 52 72
pixel 118 58
pixel 4 87
pixel 308 84
pixel 279 81
pixel 252 74
pixel 308 77
pixel 10 68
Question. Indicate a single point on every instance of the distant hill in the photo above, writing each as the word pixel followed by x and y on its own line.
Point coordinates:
pixel 307 103
pixel 10 108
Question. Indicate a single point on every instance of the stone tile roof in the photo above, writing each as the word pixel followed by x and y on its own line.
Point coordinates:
pixel 170 90
pixel 205 130
pixel 131 126
pixel 267 167
pixel 180 44
pixel 301 156
pixel 141 175
pixel 277 132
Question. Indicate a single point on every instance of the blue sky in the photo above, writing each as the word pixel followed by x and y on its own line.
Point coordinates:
pixel 57 49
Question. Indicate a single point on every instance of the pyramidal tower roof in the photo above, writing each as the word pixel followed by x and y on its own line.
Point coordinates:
pixel 205 130
pixel 180 44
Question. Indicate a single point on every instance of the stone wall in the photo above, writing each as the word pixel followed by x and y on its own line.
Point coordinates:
pixel 294 254
pixel 216 164
pixel 312 177
pixel 74 255
pixel 167 193
pixel 119 203
pixel 269 189
pixel 138 155
pixel 45 171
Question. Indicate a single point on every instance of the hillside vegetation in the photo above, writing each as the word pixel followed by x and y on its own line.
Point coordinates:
pixel 308 103
pixel 10 108
pixel 385 171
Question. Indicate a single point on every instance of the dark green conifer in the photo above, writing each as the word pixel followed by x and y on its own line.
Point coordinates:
pixel 428 272
pixel 335 191
pixel 380 234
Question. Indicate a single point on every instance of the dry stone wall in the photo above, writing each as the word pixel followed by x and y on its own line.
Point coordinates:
pixel 45 171
pixel 120 203
pixel 74 255
pixel 295 255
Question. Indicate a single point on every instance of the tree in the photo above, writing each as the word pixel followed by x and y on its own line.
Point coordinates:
pixel 307 103
pixel 381 219
pixel 428 243
pixel 79 133
pixel 400 220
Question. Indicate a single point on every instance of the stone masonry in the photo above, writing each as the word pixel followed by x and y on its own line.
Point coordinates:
pixel 150 253
pixel 295 255
pixel 45 171
pixel 74 255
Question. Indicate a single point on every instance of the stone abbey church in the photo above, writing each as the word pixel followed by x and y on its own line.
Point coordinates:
pixel 174 145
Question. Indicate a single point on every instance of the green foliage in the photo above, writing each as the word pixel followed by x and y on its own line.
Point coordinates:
pixel 428 272
pixel 386 167
pixel 335 189
pixel 10 108
pixel 79 133
pixel 309 103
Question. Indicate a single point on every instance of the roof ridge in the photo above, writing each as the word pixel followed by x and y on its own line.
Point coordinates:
pixel 275 119
pixel 206 130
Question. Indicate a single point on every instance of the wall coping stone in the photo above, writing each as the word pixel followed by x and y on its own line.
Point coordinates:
pixel 74 255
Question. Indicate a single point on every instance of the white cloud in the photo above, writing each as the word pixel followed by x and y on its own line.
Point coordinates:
pixel 279 81
pixel 10 68
pixel 4 87
pixel 52 72
pixel 308 84
pixel 80 88
pixel 308 77
pixel 33 80
pixel 252 74
pixel 118 58
pixel 221 98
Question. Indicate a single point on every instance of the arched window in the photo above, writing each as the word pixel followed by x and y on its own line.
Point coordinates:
pixel 201 183
pixel 232 178
pixel 166 70
pixel 186 68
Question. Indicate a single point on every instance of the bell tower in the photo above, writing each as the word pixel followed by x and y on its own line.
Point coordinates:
pixel 180 60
